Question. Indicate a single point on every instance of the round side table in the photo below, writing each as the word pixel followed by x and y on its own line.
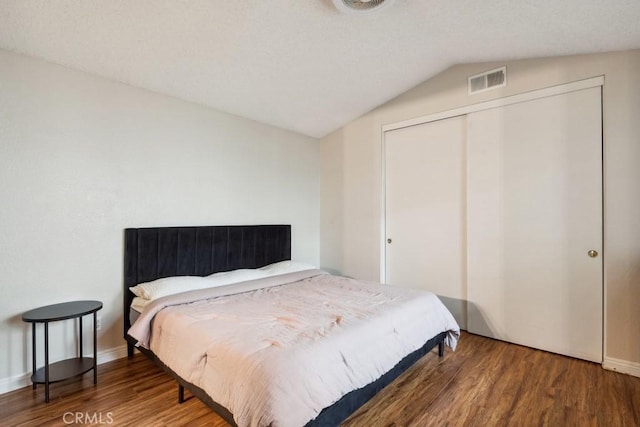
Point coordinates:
pixel 65 368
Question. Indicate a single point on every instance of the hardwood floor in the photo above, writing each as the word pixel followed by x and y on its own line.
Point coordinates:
pixel 483 383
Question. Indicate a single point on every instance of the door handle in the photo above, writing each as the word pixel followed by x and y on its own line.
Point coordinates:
pixel 592 253
pixel 389 241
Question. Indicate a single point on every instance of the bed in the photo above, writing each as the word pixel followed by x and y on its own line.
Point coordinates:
pixel 202 357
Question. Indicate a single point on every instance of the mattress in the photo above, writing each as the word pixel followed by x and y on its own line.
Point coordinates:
pixel 133 315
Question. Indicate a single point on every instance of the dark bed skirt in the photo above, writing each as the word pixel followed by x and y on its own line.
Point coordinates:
pixel 330 416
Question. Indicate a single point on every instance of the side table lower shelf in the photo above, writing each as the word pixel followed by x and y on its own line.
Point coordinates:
pixel 64 369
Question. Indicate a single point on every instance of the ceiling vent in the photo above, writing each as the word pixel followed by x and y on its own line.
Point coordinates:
pixel 360 6
pixel 488 80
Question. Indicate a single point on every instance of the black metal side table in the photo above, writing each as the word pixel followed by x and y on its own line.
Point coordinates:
pixel 70 367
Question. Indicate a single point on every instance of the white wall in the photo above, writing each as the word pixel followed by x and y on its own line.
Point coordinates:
pixel 354 152
pixel 82 158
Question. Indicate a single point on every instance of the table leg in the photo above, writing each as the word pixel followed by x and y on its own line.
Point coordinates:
pixel 80 340
pixel 95 347
pixel 46 362
pixel 33 352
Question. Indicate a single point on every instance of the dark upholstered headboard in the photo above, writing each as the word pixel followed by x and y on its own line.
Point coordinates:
pixel 154 253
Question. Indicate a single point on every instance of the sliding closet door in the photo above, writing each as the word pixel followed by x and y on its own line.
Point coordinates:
pixel 535 223
pixel 425 219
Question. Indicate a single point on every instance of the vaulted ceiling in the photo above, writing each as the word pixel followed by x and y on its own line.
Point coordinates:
pixel 300 64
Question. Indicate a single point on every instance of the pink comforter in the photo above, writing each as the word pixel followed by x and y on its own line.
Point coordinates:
pixel 276 351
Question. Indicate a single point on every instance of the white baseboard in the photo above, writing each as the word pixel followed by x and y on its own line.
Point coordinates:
pixel 15 382
pixel 622 366
pixel 111 354
pixel 23 380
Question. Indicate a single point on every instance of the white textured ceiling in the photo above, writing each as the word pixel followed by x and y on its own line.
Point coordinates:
pixel 299 64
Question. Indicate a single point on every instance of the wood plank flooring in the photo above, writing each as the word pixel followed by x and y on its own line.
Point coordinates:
pixel 484 383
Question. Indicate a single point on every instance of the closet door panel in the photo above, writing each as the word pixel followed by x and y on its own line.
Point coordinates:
pixel 425 217
pixel 534 192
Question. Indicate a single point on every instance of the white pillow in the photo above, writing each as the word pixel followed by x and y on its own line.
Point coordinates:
pixel 138 304
pixel 234 276
pixel 174 285
pixel 284 267
pixel 168 286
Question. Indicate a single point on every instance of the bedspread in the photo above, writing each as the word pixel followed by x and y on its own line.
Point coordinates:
pixel 277 351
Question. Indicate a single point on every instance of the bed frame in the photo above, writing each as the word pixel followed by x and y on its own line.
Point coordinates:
pixel 154 253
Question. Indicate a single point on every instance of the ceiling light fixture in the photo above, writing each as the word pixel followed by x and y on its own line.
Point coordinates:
pixel 360 6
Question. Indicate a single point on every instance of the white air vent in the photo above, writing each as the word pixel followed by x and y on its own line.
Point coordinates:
pixel 488 80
